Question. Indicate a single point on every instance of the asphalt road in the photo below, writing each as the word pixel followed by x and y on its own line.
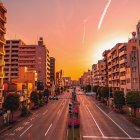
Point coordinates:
pixel 50 122
pixel 99 124
pixel 46 123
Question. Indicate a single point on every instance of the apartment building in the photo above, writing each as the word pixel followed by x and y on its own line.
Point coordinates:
pixel 95 76
pixel 100 72
pixel 11 59
pixel 67 81
pixel 3 12
pixel 105 67
pixel 52 70
pixel 36 57
pixel 48 82
pixel 119 67
pixel 86 78
pixel 113 67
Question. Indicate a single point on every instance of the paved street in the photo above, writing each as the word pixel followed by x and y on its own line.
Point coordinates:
pixel 47 123
pixel 97 124
pixel 50 123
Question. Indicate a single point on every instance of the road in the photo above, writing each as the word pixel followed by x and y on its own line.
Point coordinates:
pixel 46 123
pixel 99 124
pixel 50 122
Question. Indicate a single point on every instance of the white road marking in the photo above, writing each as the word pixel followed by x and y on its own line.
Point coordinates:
pixel 95 122
pixel 48 129
pixel 26 130
pixel 45 112
pixel 136 128
pixel 11 134
pixel 18 129
pixel 67 135
pixel 114 122
pixel 117 138
pixel 26 123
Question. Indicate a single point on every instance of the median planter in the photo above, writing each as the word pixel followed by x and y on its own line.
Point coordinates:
pixel 76 122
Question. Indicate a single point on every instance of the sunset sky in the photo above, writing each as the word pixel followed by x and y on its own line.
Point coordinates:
pixel 70 28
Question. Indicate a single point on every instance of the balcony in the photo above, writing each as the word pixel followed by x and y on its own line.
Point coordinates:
pixel 1 50
pixel 2 63
pixel 110 79
pixel 109 73
pixel 1 75
pixel 3 30
pixel 115 63
pixel 114 56
pixel 116 85
pixel 122 53
pixel 109 66
pixel 122 61
pixel 15 49
pixel 122 77
pixel 2 17
pixel 122 69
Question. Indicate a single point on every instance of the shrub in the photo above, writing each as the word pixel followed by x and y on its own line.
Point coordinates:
pixel 24 111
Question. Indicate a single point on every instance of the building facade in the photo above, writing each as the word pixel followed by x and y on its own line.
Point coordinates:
pixel 34 57
pixel 3 12
pixel 52 70
pixel 120 67
pixel 11 58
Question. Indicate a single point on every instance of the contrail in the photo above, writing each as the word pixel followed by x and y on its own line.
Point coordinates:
pixel 103 14
pixel 84 31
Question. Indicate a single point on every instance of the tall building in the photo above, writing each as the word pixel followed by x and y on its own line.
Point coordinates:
pixel 48 82
pixel 52 70
pixel 36 57
pixel 120 67
pixel 67 81
pixel 11 59
pixel 105 67
pixel 3 12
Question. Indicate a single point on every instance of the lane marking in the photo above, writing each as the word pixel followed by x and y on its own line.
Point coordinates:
pixel 26 123
pixel 48 129
pixel 136 128
pixel 26 130
pixel 45 112
pixel 117 138
pixel 95 122
pixel 67 135
pixel 114 122
pixel 11 134
pixel 18 129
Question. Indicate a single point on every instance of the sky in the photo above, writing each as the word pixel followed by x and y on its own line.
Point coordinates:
pixel 76 32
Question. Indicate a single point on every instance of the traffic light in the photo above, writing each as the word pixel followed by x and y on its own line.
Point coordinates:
pixel 53 98
pixel 70 108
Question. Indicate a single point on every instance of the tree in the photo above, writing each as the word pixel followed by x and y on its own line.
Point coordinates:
pixel 105 92
pixel 40 85
pixel 119 99
pixel 24 111
pixel 95 88
pixel 41 100
pixel 133 100
pixel 98 93
pixel 12 103
pixel 88 88
pixel 34 97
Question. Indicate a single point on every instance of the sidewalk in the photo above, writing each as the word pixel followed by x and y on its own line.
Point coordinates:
pixel 17 117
